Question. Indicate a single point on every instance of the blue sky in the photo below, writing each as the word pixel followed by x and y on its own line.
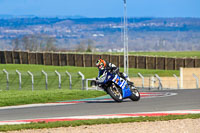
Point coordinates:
pixel 102 8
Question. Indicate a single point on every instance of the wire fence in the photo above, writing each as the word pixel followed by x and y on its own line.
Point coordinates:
pixel 153 82
pixel 39 81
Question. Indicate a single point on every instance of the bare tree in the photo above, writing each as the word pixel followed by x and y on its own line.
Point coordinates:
pixel 34 43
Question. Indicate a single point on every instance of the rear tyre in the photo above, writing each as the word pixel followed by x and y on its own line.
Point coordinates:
pixel 115 93
pixel 135 95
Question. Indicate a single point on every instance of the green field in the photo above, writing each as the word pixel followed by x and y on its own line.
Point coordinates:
pixel 178 54
pixel 170 54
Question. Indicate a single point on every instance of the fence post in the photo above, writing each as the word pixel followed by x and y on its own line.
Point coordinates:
pixel 197 80
pixel 67 59
pixel 59 57
pixel 20 79
pixel 59 78
pixel 46 79
pixel 44 62
pixel 141 76
pixel 28 57
pixel 178 82
pixel 52 58
pixel 5 56
pixel 83 78
pixel 13 59
pixel 70 79
pixel 32 79
pixel 20 57
pixel 7 78
pixel 160 82
pixel 87 86
pixel 84 60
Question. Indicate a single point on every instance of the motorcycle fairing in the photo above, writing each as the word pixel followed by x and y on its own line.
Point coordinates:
pixel 126 92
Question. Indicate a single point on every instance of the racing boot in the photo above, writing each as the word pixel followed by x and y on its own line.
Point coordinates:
pixel 130 83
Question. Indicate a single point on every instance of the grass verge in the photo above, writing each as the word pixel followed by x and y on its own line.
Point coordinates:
pixel 16 97
pixel 174 54
pixel 94 122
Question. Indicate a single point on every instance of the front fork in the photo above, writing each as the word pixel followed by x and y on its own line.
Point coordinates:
pixel 104 87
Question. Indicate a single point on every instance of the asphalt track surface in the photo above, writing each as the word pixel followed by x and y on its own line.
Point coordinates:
pixel 183 100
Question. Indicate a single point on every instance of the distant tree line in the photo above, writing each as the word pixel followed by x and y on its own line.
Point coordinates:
pixel 23 22
pixel 85 46
pixel 34 43
pixel 47 43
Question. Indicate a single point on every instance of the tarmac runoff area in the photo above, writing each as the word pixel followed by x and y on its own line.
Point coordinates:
pixel 158 100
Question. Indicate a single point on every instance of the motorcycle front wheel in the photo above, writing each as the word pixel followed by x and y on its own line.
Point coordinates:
pixel 135 95
pixel 115 93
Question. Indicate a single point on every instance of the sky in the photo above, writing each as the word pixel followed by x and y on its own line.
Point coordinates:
pixel 102 8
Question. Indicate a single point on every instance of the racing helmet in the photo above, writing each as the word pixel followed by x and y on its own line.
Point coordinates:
pixel 101 64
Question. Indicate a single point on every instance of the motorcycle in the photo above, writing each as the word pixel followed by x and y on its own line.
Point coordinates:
pixel 117 87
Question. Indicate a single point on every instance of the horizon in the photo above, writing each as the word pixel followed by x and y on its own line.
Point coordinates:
pixel 78 16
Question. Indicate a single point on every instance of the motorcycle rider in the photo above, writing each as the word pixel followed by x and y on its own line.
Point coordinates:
pixel 105 65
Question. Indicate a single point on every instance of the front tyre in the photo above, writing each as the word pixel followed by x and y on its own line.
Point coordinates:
pixel 135 95
pixel 115 93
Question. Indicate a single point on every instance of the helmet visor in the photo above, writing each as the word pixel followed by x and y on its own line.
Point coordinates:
pixel 101 66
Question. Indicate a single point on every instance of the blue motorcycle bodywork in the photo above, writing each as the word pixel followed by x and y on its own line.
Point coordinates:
pixel 126 92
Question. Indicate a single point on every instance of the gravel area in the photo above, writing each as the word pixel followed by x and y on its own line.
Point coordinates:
pixel 172 126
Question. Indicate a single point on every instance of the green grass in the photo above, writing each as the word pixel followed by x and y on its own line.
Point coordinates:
pixel 179 54
pixel 169 54
pixel 15 97
pixel 43 125
pixel 40 95
pixel 39 78
pixel 149 72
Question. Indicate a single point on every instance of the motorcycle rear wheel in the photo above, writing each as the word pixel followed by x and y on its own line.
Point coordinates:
pixel 115 93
